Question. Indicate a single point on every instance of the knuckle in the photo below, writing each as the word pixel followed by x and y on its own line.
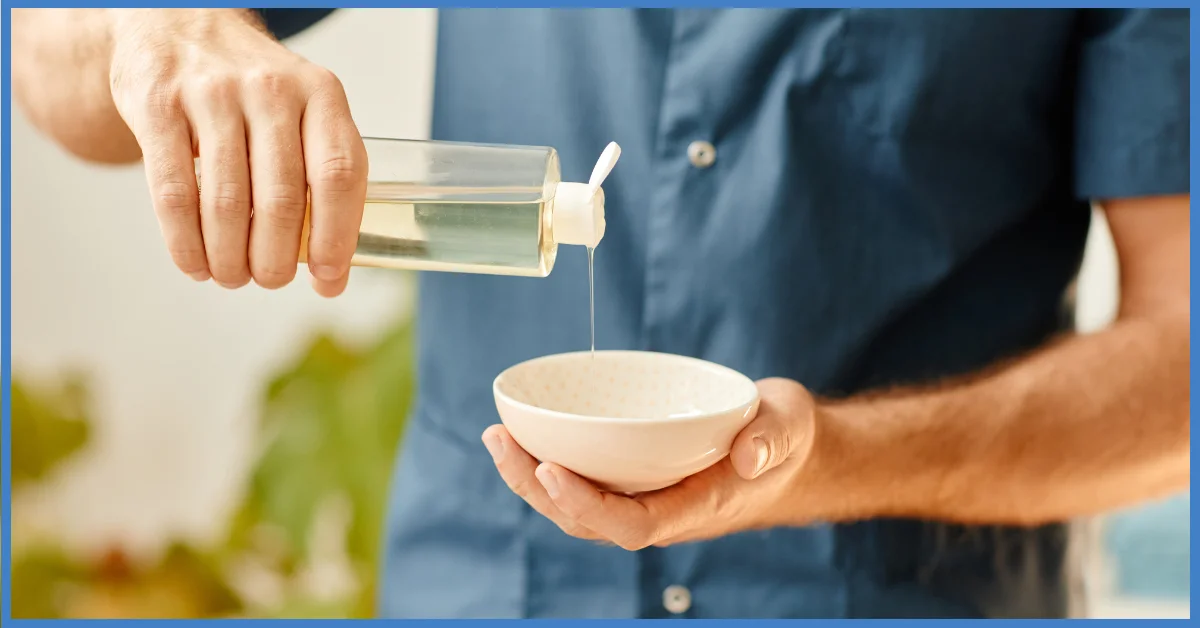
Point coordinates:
pixel 174 199
pixel 158 92
pixel 161 100
pixel 280 219
pixel 324 251
pixel 282 205
pixel 269 83
pixel 340 173
pixel 153 107
pixel 229 203
pixel 326 82
pixel 214 87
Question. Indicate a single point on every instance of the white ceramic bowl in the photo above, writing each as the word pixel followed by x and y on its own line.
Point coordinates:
pixel 631 421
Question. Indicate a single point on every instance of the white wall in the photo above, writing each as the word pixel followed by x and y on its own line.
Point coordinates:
pixel 178 366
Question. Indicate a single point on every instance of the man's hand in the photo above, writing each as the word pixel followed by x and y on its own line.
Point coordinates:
pixel 757 486
pixel 1081 426
pixel 265 124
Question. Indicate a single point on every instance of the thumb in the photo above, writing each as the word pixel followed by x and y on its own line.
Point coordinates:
pixel 783 427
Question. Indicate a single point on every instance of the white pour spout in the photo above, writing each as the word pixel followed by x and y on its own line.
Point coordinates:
pixel 579 208
pixel 604 165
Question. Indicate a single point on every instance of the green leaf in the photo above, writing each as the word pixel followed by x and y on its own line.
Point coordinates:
pixel 49 425
pixel 41 576
pixel 330 425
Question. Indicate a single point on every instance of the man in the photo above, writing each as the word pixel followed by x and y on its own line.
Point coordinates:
pixel 878 212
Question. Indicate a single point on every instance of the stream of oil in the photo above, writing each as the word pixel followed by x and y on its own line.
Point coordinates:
pixel 592 309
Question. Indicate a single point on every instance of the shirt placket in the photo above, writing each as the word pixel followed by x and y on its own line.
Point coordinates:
pixel 683 146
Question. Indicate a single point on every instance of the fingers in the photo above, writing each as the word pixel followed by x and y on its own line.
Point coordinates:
pixel 330 289
pixel 517 469
pixel 258 126
pixel 730 496
pixel 760 446
pixel 164 135
pixel 704 505
pixel 279 190
pixel 335 161
pixel 619 519
pixel 225 196
pixel 782 428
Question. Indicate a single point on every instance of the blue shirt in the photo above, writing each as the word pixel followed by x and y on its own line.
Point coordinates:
pixel 896 197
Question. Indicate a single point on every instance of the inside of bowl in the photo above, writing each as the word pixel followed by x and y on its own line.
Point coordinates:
pixel 626 384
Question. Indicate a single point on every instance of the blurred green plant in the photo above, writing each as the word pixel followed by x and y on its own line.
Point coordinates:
pixel 48 583
pixel 329 428
pixel 49 424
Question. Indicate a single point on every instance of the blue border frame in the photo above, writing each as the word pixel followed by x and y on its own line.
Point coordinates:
pixel 6 215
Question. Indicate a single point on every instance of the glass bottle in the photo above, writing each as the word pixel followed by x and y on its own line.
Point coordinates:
pixel 473 208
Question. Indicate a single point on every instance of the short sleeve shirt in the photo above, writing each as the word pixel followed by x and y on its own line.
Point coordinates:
pixel 850 198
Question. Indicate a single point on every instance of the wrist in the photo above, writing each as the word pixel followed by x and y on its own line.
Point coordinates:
pixel 135 24
pixel 882 458
pixel 841 478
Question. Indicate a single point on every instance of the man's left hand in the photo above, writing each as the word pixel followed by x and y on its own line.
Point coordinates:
pixel 754 487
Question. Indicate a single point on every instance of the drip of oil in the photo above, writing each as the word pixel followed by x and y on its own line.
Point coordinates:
pixel 592 308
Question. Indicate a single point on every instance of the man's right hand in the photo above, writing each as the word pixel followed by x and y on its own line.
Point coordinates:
pixel 266 126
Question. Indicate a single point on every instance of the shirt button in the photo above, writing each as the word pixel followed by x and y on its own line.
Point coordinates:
pixel 677 599
pixel 701 154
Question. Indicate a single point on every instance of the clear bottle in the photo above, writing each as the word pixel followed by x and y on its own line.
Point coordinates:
pixel 473 208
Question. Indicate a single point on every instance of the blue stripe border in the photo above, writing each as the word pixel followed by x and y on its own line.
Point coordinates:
pixel 6 218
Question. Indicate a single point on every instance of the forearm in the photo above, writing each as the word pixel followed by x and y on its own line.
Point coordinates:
pixel 61 78
pixel 1087 424
pixel 1090 424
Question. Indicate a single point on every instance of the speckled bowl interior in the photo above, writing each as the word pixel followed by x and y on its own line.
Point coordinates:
pixel 631 421
pixel 626 385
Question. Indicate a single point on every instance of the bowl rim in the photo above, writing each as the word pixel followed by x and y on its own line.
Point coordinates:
pixel 706 364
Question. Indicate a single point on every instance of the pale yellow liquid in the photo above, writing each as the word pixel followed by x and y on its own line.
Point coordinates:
pixel 499 238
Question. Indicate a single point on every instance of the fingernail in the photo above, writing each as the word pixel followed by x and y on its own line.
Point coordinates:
pixel 549 482
pixel 200 275
pixel 494 447
pixel 760 456
pixel 228 286
pixel 327 273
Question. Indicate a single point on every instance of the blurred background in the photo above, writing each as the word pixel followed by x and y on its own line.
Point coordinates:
pixel 185 451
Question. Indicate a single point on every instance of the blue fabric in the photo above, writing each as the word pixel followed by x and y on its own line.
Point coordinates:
pixel 285 23
pixel 897 196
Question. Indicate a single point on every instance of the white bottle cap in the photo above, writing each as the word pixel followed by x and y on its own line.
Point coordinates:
pixel 579 207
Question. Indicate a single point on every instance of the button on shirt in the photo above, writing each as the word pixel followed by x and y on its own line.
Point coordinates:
pixel 702 154
pixel 849 198
pixel 677 599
